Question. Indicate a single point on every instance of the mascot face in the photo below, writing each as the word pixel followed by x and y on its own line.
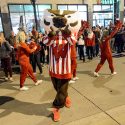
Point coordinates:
pixel 58 20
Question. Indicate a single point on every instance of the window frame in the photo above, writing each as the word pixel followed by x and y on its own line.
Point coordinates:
pixel 24 12
pixel 77 7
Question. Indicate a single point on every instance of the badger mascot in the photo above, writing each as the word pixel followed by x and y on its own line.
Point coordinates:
pixel 61 28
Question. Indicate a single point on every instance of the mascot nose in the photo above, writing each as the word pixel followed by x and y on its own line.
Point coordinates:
pixel 59 22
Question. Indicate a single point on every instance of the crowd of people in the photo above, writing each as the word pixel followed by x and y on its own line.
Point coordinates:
pixel 86 48
pixel 30 50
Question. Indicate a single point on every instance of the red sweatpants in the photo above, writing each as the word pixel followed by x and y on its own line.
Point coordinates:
pixel 102 61
pixel 26 69
pixel 73 66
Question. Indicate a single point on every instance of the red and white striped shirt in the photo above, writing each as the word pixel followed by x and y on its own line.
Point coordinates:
pixel 60 55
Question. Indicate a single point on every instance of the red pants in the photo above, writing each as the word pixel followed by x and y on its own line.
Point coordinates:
pixel 26 69
pixel 102 61
pixel 73 66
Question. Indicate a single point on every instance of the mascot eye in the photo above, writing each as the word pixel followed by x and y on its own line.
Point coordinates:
pixel 52 15
pixel 69 16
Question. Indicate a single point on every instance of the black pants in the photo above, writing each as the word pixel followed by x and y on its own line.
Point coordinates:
pixel 42 56
pixel 81 52
pixel 35 60
pixel 61 87
pixel 6 64
pixel 90 52
pixel 97 49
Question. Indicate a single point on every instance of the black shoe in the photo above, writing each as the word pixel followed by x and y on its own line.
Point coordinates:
pixel 83 60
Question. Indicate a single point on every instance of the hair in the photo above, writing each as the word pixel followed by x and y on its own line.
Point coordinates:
pixel 20 37
pixel 2 36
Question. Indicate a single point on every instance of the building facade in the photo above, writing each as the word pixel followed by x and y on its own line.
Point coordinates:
pixel 95 11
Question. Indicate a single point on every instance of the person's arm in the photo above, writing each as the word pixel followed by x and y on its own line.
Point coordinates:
pixel 26 47
pixel 8 46
pixel 115 30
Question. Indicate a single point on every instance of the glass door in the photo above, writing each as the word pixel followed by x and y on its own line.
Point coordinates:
pixel 107 22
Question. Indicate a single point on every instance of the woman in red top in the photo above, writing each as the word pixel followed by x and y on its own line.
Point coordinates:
pixel 89 43
pixel 106 53
pixel 23 57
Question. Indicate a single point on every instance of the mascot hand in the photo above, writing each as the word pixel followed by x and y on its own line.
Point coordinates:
pixel 66 31
pixel 51 33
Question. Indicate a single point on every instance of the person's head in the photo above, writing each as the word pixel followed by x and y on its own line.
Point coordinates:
pixel 12 33
pixel 20 37
pixel 36 33
pixel 2 38
pixel 104 34
pixel 40 35
pixel 32 39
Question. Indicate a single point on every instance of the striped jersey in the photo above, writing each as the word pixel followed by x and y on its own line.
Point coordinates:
pixel 60 55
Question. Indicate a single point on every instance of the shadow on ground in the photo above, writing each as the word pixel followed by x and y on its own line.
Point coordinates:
pixel 10 104
pixel 100 82
pixel 90 73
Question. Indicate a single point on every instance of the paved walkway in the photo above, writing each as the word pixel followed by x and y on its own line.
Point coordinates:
pixel 95 101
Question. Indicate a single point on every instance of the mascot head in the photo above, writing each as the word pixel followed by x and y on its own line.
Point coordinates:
pixel 59 20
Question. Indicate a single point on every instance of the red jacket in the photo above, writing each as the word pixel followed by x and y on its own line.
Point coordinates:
pixel 90 42
pixel 23 53
pixel 73 51
pixel 105 44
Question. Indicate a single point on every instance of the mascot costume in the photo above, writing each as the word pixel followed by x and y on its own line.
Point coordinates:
pixel 106 53
pixel 61 28
pixel 23 52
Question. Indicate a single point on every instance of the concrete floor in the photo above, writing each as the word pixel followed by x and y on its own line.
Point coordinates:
pixel 95 101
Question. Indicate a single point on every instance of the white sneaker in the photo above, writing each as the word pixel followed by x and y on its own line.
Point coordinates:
pixel 75 78
pixel 71 81
pixel 6 78
pixel 96 74
pixel 38 82
pixel 114 73
pixel 11 79
pixel 24 88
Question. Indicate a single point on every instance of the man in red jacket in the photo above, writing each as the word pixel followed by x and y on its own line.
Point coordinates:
pixel 106 53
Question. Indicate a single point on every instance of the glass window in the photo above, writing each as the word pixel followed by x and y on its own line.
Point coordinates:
pixel 107 1
pixel 28 8
pixel 83 15
pixel 15 20
pixel 30 21
pixel 97 7
pixel 43 7
pixel 72 7
pixel 106 8
pixel 62 7
pixel 82 8
pixel 16 8
pixel 27 12
pixel 1 28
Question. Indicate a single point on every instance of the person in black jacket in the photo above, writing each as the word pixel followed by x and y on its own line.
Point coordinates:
pixel 5 50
